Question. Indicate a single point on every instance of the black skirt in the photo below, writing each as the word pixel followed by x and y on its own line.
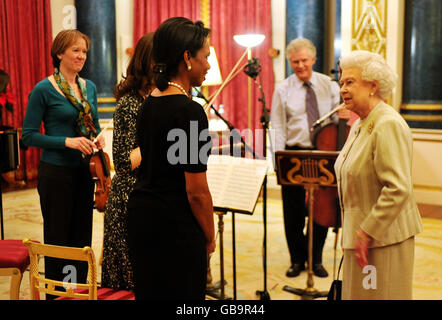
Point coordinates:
pixel 167 249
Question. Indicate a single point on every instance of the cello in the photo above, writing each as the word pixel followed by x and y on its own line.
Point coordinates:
pixel 331 137
pixel 99 166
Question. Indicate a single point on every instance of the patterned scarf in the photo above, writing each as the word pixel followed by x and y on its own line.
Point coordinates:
pixel 82 106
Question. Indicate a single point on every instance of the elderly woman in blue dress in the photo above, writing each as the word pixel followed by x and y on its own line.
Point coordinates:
pixel 379 214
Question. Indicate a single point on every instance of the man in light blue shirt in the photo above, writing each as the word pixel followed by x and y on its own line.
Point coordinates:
pixel 292 132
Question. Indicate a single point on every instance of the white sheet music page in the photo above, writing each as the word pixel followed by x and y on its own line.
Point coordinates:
pixel 235 182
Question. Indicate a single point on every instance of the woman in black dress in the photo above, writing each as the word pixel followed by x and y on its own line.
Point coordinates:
pixel 170 212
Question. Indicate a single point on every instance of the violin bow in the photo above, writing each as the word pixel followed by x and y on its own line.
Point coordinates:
pixel 106 127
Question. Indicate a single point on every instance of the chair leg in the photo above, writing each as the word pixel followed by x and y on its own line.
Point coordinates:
pixel 15 284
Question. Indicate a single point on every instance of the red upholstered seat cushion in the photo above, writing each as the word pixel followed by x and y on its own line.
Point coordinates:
pixel 105 294
pixel 13 254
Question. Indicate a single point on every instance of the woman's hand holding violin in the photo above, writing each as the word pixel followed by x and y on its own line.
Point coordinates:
pixel 82 144
pixel 100 142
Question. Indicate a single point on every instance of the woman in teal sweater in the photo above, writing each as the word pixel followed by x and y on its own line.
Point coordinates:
pixel 63 102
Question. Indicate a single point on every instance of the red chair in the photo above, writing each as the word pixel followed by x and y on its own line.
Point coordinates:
pixel 74 291
pixel 14 259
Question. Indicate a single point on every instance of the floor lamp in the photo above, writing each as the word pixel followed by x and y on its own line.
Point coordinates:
pixel 246 40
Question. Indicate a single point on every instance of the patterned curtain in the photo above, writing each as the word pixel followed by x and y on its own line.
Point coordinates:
pixel 25 46
pixel 228 18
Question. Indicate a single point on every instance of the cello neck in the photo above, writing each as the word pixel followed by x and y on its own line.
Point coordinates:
pixel 342 134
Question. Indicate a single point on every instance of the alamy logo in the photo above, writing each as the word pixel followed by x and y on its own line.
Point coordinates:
pixel 70 17
pixel 193 146
pixel 369 281
pixel 179 153
pixel 71 277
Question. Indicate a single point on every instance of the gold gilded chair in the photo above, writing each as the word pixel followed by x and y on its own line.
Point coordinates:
pixel 74 291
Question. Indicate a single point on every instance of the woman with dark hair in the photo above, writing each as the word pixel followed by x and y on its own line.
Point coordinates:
pixel 130 94
pixel 170 212
pixel 65 103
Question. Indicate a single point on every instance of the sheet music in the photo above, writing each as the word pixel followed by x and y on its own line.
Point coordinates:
pixel 235 182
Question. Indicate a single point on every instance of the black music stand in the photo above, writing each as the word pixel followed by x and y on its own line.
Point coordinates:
pixel 253 70
pixel 228 173
pixel 310 169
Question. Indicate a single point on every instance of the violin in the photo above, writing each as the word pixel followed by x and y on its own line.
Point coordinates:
pixel 99 166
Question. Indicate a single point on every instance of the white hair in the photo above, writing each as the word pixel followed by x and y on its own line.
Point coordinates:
pixel 373 68
pixel 298 44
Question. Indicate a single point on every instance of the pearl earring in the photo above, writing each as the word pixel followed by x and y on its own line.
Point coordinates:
pixel 371 94
pixel 189 67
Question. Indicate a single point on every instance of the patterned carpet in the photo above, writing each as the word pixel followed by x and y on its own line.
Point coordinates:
pixel 22 219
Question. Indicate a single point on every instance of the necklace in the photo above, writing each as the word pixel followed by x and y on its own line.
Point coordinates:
pixel 170 83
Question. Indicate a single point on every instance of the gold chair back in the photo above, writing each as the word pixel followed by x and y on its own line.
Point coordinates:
pixel 39 283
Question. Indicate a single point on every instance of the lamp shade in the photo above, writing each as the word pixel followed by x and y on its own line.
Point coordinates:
pixel 213 76
pixel 249 40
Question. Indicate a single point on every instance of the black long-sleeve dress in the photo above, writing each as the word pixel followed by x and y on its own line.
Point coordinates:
pixel 116 268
